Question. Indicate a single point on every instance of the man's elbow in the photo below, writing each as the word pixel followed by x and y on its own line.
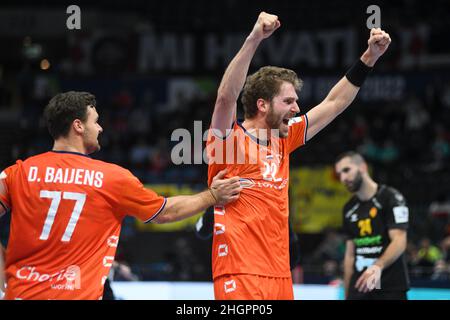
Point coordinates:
pixel 224 99
pixel 404 244
pixel 401 242
pixel 165 217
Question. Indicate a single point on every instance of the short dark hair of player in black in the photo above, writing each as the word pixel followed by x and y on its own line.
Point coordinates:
pixel 355 156
pixel 374 219
pixel 64 108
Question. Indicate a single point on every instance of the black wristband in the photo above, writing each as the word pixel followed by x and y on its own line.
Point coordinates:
pixel 358 73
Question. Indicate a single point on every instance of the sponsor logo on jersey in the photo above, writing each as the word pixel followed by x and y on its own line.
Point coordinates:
pixel 369 250
pixel 368 241
pixel 246 183
pixel 271 185
pixel 363 262
pixel 65 279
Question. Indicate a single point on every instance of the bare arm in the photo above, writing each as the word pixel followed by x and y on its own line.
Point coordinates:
pixel 234 77
pixel 390 255
pixel 395 248
pixel 349 261
pixel 181 207
pixel 344 92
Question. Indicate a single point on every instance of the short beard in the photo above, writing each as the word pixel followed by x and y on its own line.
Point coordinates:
pixel 273 122
pixel 357 183
pixel 271 119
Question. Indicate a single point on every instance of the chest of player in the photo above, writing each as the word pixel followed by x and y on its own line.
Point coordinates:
pixel 367 220
pixel 268 169
pixel 263 163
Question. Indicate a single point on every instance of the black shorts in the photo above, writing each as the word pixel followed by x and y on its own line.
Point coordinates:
pixel 108 294
pixel 378 295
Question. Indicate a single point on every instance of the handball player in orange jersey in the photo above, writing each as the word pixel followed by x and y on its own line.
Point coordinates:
pixel 250 254
pixel 67 208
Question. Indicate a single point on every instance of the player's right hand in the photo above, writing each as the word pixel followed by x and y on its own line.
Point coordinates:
pixel 265 25
pixel 225 190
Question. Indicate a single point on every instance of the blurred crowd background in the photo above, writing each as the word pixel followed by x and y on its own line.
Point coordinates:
pixel 155 67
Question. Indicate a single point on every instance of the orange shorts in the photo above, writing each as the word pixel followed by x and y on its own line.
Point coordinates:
pixel 252 287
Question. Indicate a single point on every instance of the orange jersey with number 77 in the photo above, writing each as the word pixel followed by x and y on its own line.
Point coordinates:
pixel 66 213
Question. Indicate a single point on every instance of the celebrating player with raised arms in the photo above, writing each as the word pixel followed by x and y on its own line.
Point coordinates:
pixel 250 254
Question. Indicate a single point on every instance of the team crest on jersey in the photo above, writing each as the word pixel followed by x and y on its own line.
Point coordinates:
pixel 373 212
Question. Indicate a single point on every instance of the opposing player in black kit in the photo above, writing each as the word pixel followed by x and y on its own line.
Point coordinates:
pixel 375 220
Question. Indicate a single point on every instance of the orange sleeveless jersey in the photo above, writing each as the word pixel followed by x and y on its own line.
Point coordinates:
pixel 251 235
pixel 66 214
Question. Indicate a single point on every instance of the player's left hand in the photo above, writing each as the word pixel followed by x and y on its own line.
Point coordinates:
pixel 378 42
pixel 369 279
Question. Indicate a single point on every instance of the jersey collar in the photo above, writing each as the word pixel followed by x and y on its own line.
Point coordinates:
pixel 71 152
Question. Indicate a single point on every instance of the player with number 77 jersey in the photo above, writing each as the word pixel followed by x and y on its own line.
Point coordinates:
pixel 67 208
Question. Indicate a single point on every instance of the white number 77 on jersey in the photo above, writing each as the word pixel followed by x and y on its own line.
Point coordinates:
pixel 80 199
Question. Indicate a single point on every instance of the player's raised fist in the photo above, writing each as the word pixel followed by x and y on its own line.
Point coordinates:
pixel 265 25
pixel 378 42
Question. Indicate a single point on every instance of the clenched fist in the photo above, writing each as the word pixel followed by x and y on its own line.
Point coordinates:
pixel 265 25
pixel 378 42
